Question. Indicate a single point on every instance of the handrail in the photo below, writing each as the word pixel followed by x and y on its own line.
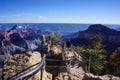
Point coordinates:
pixel 31 72
pixel 94 59
pixel 89 56
pixel 76 50
pixel 67 66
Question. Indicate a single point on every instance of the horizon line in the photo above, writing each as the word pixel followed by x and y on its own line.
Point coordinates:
pixel 55 23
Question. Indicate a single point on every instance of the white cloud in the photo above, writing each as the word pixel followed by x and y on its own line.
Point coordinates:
pixel 40 17
pixel 22 15
pixel 11 16
pixel 17 15
pixel 3 16
pixel 28 14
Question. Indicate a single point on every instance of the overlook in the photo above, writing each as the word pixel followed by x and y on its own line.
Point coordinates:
pixel 59 39
pixel 60 62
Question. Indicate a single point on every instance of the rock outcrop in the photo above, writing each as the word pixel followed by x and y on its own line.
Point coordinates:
pixel 20 62
pixel 56 50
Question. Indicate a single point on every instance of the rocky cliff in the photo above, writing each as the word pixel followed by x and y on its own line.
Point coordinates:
pixel 20 62
pixel 19 39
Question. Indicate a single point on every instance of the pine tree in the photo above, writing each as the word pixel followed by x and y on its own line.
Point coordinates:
pixel 96 50
pixel 115 62
pixel 55 38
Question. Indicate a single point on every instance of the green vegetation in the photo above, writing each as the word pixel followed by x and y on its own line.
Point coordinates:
pixel 55 38
pixel 95 49
pixel 115 62
pixel 0 77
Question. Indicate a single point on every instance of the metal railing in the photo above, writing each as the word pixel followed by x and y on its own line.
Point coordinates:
pixel 31 72
pixel 83 56
pixel 66 63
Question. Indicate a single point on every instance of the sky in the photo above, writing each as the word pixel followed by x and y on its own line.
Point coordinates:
pixel 60 11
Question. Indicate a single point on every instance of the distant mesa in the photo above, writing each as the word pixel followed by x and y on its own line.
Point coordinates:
pixel 101 30
pixel 98 28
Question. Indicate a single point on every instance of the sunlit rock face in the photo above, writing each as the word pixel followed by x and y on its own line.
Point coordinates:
pixel 20 62
pixel 56 49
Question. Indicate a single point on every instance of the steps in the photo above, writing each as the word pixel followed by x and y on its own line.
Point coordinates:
pixel 54 62
pixel 55 66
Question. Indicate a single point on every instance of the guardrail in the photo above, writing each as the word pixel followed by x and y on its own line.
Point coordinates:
pixel 92 58
pixel 67 65
pixel 31 72
pixel 83 56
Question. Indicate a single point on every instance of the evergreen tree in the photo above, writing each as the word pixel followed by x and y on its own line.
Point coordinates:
pixel 115 62
pixel 55 38
pixel 95 49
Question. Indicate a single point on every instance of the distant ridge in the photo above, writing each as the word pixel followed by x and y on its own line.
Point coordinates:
pixel 19 39
pixel 110 37
pixel 98 28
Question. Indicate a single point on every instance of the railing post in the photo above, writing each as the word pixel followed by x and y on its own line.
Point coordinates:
pixel 42 70
pixel 89 63
pixel 41 77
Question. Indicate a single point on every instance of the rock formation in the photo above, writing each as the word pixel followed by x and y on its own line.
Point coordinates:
pixel 19 39
pixel 20 62
pixel 56 49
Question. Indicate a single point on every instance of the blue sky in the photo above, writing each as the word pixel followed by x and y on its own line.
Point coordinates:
pixel 60 11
